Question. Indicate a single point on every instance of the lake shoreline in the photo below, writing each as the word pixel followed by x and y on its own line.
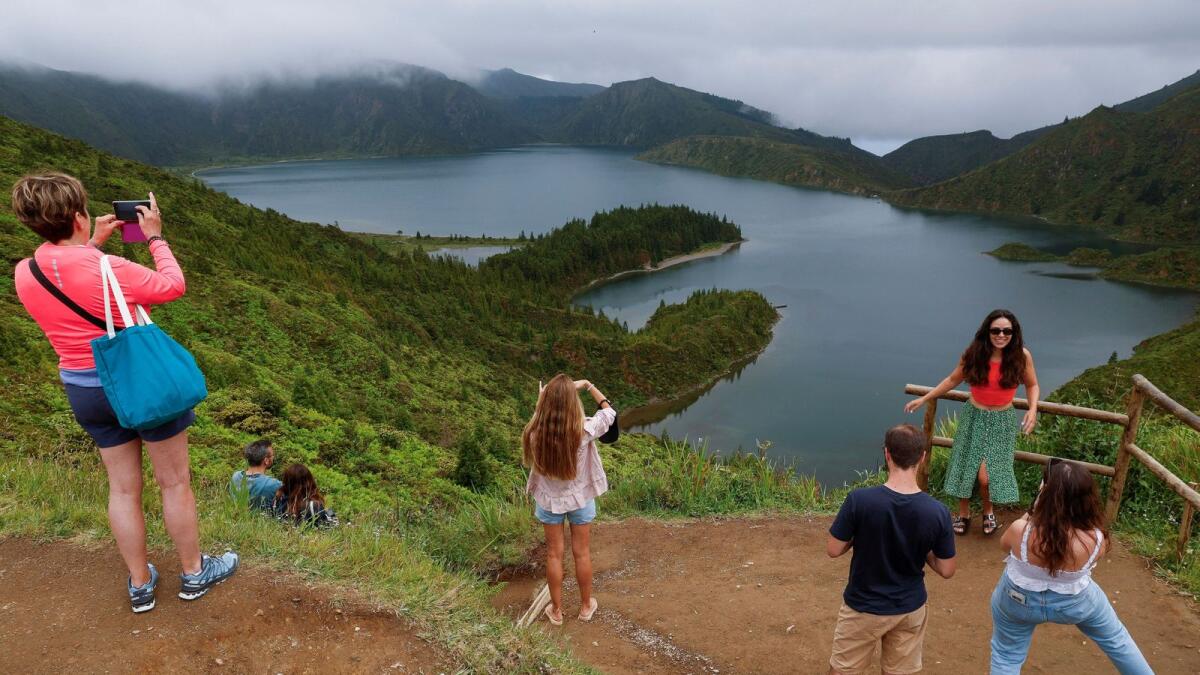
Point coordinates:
pixel 662 265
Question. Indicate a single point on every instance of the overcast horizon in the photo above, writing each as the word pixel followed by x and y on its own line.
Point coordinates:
pixel 858 70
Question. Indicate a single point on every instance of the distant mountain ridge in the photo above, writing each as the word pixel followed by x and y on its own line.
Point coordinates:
pixel 933 159
pixel 393 110
pixel 507 83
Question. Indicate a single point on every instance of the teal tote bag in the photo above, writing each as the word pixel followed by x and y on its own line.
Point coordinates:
pixel 148 378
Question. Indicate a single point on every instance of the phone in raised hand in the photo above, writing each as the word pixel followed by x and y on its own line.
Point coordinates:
pixel 126 212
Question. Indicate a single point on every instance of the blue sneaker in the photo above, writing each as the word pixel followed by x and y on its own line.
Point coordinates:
pixel 141 598
pixel 212 572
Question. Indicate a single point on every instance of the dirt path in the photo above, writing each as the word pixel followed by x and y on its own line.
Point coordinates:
pixel 63 608
pixel 761 596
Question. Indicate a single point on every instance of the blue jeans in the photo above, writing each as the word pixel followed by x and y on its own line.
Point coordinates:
pixel 1013 622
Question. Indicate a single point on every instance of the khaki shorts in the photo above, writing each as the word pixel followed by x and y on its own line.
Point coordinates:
pixel 858 634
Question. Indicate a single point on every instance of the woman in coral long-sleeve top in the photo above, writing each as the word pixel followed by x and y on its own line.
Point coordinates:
pixel 55 207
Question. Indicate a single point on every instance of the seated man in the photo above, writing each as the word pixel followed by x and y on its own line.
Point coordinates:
pixel 254 481
pixel 895 530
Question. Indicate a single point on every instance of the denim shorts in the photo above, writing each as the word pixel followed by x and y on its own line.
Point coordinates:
pixel 580 516
pixel 97 418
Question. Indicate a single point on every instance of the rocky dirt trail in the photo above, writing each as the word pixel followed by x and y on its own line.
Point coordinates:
pixel 63 608
pixel 761 596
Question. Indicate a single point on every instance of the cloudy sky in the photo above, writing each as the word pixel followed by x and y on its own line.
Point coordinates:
pixel 878 71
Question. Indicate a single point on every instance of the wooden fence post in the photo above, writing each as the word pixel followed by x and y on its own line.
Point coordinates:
pixel 927 456
pixel 1185 526
pixel 1116 487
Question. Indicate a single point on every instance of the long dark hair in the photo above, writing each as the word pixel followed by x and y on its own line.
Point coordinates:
pixel 299 487
pixel 1012 360
pixel 1068 501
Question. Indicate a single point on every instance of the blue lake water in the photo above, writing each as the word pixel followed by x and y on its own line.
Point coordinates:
pixel 876 296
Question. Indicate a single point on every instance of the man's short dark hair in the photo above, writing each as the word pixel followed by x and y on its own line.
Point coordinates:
pixel 906 444
pixel 256 452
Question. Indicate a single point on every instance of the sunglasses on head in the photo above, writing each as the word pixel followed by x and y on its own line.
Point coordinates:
pixel 1000 331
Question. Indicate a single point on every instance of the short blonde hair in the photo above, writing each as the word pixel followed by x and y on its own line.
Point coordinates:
pixel 47 204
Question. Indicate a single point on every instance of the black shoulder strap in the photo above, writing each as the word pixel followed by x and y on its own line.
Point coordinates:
pixel 62 297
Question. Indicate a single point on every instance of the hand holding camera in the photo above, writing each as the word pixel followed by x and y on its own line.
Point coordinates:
pixel 139 219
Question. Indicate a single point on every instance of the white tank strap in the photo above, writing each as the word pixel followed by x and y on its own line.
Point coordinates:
pixel 1025 542
pixel 1096 551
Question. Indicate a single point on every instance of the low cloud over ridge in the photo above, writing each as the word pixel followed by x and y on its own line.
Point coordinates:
pixel 867 69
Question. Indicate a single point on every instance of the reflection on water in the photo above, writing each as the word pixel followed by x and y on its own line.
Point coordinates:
pixel 646 417
pixel 472 255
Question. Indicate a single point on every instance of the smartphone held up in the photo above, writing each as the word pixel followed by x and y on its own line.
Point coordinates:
pixel 126 212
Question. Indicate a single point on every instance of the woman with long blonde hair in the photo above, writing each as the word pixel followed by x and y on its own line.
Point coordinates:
pixel 565 477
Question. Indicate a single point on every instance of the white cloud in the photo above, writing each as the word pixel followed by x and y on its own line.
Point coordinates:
pixel 866 69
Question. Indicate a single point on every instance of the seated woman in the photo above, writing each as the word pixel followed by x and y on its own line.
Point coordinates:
pixel 299 499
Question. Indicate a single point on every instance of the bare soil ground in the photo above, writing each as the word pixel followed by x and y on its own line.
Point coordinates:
pixel 761 596
pixel 63 608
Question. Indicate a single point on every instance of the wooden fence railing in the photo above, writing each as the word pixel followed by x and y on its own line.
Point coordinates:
pixel 1127 450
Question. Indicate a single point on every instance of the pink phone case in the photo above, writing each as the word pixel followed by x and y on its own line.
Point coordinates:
pixel 131 232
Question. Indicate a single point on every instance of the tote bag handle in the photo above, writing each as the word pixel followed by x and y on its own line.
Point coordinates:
pixel 109 282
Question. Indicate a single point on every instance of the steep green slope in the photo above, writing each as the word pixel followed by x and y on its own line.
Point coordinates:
pixel 787 163
pixel 1136 172
pixel 508 83
pixel 392 110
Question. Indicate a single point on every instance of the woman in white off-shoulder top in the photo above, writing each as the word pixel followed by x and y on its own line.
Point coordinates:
pixel 565 478
pixel 1048 574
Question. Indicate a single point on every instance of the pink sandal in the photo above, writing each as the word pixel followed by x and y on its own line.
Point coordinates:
pixel 549 612
pixel 586 615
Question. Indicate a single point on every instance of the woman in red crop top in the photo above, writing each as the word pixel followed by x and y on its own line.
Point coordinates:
pixel 994 364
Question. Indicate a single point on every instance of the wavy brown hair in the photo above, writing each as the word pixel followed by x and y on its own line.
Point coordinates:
pixel 299 487
pixel 1012 360
pixel 1067 502
pixel 551 439
pixel 47 204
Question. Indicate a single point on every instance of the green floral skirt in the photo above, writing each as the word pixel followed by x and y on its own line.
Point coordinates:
pixel 984 436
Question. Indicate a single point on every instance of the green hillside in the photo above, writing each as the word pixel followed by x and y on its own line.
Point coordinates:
pixel 1136 173
pixel 787 163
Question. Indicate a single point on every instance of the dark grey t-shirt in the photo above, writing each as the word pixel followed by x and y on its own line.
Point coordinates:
pixel 892 534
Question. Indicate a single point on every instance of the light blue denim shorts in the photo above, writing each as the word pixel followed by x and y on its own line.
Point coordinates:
pixel 580 516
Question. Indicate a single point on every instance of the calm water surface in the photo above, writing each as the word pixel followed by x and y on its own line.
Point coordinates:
pixel 876 297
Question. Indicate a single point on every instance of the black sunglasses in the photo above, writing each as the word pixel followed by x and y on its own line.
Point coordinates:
pixel 1000 331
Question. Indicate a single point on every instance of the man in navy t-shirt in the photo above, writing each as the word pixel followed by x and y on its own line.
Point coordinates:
pixel 895 530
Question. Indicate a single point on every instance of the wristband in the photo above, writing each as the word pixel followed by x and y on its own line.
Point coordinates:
pixel 153 238
pixel 603 401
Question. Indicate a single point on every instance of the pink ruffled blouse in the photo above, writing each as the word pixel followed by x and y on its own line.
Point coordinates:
pixel 562 496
